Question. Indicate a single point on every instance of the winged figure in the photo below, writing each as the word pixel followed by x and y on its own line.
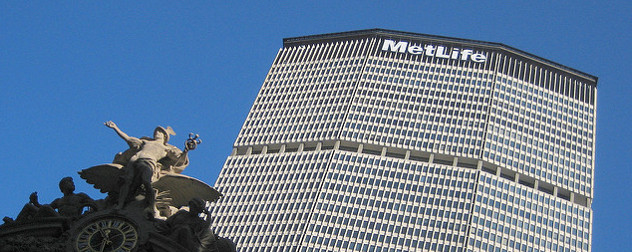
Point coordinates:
pixel 149 164
pixel 180 188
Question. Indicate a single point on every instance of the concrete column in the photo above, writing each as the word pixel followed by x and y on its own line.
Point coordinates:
pixel 431 159
pixel 479 165
pixel 383 151
pixel 572 198
pixel 249 151
pixel 300 147
pixel 555 191
pixel 337 145
pixel 455 161
pixel 319 146
pixel 407 155
pixel 264 150
pixel 234 152
pixel 282 149
pixel 360 148
pixel 517 178
pixel 536 184
pixel 498 171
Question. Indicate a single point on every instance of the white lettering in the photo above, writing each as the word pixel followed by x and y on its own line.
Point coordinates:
pixel 479 57
pixel 430 50
pixel 415 50
pixel 390 45
pixel 441 52
pixel 433 51
pixel 455 53
pixel 465 54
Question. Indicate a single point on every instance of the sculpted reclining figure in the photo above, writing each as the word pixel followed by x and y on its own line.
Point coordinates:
pixel 70 205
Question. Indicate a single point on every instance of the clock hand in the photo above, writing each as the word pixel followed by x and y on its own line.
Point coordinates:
pixel 102 246
pixel 116 235
pixel 105 236
pixel 102 240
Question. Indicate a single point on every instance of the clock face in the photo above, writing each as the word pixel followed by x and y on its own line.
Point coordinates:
pixel 107 234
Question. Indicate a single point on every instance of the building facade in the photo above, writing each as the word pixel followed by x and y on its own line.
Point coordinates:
pixel 380 140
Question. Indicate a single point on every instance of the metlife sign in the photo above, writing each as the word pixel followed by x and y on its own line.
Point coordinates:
pixel 433 51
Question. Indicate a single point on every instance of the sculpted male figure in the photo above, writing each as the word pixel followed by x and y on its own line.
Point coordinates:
pixel 188 229
pixel 70 205
pixel 143 163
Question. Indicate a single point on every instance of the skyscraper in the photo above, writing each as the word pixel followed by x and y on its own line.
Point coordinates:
pixel 380 140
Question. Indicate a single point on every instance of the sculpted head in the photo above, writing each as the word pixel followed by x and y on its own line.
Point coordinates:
pixel 66 185
pixel 196 205
pixel 163 134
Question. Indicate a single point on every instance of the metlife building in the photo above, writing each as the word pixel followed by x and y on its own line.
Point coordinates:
pixel 380 140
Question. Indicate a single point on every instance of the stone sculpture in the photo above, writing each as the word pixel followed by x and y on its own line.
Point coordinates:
pixel 150 164
pixel 187 227
pixel 71 205
pixel 191 230
pixel 143 166
pixel 145 207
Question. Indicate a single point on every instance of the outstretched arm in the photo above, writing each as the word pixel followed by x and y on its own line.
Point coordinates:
pixel 112 125
pixel 131 141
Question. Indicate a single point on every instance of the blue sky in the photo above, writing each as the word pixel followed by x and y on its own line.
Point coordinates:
pixel 67 67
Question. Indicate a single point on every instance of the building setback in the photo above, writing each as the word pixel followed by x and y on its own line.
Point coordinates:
pixel 380 140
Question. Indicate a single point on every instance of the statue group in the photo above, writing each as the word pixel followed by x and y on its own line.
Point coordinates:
pixel 150 205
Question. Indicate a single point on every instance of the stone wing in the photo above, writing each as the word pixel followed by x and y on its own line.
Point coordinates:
pixel 104 177
pixel 181 189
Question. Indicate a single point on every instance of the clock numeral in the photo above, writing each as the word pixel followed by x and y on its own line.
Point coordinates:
pixel 85 249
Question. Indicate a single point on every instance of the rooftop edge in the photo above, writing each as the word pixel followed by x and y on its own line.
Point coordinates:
pixel 379 31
